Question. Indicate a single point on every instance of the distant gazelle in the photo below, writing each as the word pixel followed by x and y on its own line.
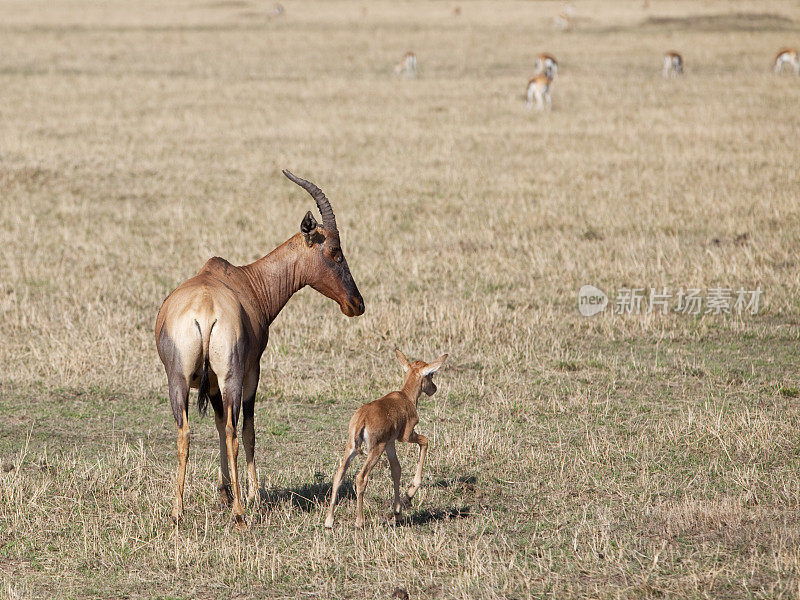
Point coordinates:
pixel 546 63
pixel 673 64
pixel 539 90
pixel 787 56
pixel 212 330
pixel 378 426
pixel 407 66
pixel 562 22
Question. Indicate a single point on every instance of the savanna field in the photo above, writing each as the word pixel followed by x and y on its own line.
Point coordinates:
pixel 615 456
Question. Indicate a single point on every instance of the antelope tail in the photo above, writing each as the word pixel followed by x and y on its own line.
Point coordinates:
pixel 359 440
pixel 202 391
pixel 356 431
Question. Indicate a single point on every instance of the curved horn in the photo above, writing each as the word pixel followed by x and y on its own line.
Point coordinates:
pixel 328 218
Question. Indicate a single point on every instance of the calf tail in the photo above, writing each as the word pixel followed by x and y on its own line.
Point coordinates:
pixel 360 438
pixel 357 433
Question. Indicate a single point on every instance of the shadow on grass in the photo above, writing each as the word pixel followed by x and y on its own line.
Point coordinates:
pixel 307 496
pixel 421 517
pixel 467 481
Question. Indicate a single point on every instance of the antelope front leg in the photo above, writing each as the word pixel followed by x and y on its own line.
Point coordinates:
pixel 417 481
pixel 249 439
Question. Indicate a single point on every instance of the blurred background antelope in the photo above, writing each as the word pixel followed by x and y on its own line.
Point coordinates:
pixel 787 56
pixel 563 21
pixel 407 65
pixel 538 89
pixel 673 64
pixel 546 63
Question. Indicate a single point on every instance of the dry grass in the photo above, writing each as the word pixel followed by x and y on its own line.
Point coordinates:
pixel 618 456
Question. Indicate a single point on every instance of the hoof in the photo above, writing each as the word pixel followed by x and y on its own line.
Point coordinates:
pixel 225 496
pixel 240 523
pixel 328 523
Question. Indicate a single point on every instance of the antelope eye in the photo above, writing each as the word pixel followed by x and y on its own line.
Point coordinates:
pixel 338 256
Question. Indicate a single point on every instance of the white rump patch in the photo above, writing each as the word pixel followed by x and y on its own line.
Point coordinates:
pixel 365 437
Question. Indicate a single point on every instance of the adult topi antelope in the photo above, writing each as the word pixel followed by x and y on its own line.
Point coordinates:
pixel 212 330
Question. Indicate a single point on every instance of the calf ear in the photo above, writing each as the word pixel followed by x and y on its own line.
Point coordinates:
pixel 307 227
pixel 401 358
pixel 434 366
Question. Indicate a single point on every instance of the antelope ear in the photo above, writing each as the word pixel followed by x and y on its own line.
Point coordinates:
pixel 434 366
pixel 307 227
pixel 401 358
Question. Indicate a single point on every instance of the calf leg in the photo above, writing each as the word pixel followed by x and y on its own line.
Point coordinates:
pixel 415 438
pixel 361 480
pixel 350 453
pixel 394 464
